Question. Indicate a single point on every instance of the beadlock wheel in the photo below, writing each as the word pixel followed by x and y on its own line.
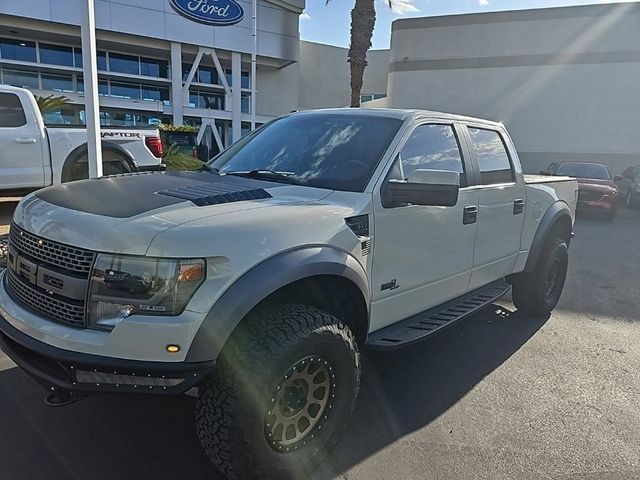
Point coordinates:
pixel 300 404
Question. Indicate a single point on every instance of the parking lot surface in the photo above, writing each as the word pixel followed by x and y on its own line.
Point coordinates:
pixel 498 396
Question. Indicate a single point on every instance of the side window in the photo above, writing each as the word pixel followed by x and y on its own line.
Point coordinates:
pixel 11 112
pixel 432 147
pixel 493 160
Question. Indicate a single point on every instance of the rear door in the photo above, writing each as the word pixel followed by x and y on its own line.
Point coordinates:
pixel 21 154
pixel 501 204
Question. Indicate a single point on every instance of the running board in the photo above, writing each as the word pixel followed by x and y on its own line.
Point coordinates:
pixel 424 324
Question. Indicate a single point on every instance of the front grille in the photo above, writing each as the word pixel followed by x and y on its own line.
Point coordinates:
pixel 589 196
pixel 57 254
pixel 55 307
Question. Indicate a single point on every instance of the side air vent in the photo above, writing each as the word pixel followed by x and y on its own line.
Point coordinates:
pixel 359 225
pixel 205 195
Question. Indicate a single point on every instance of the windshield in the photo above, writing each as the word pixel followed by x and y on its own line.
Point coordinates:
pixel 585 170
pixel 339 152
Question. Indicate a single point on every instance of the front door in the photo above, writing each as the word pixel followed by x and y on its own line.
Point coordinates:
pixel 422 255
pixel 21 161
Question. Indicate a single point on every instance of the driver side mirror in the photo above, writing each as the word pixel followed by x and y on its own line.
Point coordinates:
pixel 437 188
pixel 617 178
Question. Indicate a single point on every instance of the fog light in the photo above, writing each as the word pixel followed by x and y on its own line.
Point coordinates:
pixel 173 348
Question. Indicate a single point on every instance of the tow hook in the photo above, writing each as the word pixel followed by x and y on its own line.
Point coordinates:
pixel 60 398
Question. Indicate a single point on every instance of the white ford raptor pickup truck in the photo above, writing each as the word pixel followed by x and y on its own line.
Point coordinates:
pixel 260 278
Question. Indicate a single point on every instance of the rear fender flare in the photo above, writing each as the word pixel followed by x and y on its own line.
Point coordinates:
pixel 554 214
pixel 107 146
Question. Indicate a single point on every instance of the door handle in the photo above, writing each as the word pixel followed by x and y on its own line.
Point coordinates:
pixel 26 140
pixel 470 215
pixel 518 206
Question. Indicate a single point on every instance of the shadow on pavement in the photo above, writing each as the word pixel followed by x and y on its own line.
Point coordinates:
pixel 107 437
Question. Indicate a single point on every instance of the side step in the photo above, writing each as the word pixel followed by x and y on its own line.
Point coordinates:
pixel 424 324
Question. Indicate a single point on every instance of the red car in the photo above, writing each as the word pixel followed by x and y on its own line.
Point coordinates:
pixel 597 191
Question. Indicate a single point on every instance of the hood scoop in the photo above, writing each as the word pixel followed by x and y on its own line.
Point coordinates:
pixel 215 194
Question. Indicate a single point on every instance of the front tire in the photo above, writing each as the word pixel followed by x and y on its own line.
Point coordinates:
pixel 281 394
pixel 537 292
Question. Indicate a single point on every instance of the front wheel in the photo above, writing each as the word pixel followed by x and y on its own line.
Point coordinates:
pixel 281 394
pixel 537 292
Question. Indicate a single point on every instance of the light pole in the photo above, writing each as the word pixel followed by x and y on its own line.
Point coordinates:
pixel 91 99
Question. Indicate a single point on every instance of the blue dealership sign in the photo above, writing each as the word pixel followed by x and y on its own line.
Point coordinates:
pixel 210 12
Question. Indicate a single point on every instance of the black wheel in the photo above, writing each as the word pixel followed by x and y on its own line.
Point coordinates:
pixel 538 292
pixel 112 164
pixel 281 394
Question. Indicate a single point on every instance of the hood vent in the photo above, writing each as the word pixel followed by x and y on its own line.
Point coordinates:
pixel 204 195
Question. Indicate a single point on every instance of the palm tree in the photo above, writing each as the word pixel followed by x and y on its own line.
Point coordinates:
pixel 51 103
pixel 363 20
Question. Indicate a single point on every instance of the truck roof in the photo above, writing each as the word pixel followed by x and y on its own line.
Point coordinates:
pixel 400 113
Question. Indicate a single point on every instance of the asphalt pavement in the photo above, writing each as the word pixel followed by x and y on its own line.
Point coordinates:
pixel 499 396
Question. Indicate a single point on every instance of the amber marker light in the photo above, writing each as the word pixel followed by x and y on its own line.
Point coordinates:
pixel 173 348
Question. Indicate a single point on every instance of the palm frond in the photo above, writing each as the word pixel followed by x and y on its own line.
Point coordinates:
pixel 52 103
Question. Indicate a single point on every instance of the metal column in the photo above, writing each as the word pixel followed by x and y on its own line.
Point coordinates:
pixel 91 99
pixel 236 95
pixel 177 96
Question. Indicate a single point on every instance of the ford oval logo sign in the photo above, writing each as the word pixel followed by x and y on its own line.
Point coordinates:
pixel 210 12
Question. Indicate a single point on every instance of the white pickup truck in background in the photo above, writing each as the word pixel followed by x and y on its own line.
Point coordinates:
pixel 33 155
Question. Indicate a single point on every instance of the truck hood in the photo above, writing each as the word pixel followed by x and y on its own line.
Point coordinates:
pixel 123 214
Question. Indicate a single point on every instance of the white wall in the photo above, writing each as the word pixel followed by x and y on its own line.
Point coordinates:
pixel 563 80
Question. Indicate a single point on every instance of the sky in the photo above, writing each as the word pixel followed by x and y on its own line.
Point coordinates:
pixel 330 23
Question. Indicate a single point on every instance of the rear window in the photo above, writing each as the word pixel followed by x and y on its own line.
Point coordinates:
pixel 11 112
pixel 493 159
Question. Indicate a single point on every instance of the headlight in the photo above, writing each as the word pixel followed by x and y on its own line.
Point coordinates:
pixel 122 286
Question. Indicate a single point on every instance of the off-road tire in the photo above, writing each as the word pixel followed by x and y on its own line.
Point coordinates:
pixel 233 401
pixel 531 293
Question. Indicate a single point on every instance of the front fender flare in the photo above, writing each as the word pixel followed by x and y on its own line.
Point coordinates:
pixel 263 280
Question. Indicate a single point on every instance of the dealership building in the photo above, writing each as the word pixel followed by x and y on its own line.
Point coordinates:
pixel 158 64
pixel 563 80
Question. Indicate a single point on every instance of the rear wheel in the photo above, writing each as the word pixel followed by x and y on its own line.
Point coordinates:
pixel 538 291
pixel 112 164
pixel 629 201
pixel 281 394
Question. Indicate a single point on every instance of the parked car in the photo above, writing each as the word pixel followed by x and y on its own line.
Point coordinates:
pixel 36 156
pixel 270 269
pixel 629 186
pixel 597 191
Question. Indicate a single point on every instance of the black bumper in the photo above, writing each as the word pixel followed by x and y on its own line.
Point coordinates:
pixel 58 369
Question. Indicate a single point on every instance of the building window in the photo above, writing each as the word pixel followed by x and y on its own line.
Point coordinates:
pixel 102 59
pixel 245 103
pixel 20 79
pixel 17 50
pixel 125 90
pixel 124 63
pixel 103 87
pixel 56 55
pixel 244 78
pixel 157 94
pixel 207 75
pixel 59 83
pixel 209 100
pixel 152 67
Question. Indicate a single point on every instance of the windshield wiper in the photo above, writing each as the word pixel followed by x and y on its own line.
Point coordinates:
pixel 285 177
pixel 208 168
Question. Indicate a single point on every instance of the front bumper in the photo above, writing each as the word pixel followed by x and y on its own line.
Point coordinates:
pixel 58 369
pixel 598 205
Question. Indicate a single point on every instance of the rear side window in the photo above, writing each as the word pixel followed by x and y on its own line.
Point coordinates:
pixel 432 147
pixel 11 112
pixel 493 159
